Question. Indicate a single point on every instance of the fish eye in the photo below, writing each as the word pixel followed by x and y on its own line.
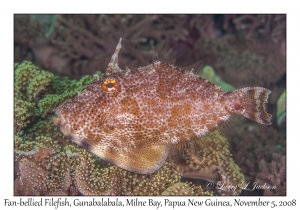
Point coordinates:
pixel 110 85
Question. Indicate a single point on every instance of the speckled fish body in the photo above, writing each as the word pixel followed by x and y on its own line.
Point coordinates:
pixel 132 118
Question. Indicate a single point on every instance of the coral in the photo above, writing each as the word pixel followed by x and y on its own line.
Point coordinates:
pixel 251 60
pixel 65 89
pixel 111 180
pixel 281 109
pixel 209 158
pixel 267 25
pixel 205 25
pixel 38 144
pixel 32 177
pixel 45 172
pixel 24 73
pixel 30 84
pixel 273 176
pixel 209 74
pixel 30 32
pixel 24 114
pixel 31 29
pixel 185 189
pixel 74 171
pixel 76 42
pixel 249 52
pixel 36 155
pixel 252 144
pixel 38 92
pixel 78 46
pixel 39 85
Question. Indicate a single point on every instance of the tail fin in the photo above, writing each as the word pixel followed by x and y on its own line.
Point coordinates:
pixel 253 100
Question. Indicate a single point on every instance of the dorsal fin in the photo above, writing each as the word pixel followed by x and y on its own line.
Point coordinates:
pixel 194 69
pixel 162 53
pixel 113 64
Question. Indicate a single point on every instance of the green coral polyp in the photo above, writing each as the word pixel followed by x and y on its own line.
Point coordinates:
pixel 209 74
pixel 24 114
pixel 24 73
pixel 33 85
pixel 36 94
pixel 38 84
pixel 70 87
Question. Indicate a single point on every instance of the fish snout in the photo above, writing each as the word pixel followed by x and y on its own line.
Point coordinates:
pixel 64 126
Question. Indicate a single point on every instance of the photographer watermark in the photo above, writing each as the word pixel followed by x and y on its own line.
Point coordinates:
pixel 242 186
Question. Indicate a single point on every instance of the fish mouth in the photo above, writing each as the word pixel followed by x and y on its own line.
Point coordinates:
pixel 64 127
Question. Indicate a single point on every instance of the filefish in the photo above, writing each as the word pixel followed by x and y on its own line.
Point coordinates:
pixel 133 118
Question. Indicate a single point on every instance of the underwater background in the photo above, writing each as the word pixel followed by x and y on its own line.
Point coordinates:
pixel 56 56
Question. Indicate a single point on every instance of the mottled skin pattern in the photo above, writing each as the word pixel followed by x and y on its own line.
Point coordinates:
pixel 152 108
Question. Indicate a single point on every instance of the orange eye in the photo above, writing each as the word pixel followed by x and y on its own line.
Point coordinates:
pixel 110 85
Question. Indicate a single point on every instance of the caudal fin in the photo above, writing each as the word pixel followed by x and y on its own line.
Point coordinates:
pixel 252 101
